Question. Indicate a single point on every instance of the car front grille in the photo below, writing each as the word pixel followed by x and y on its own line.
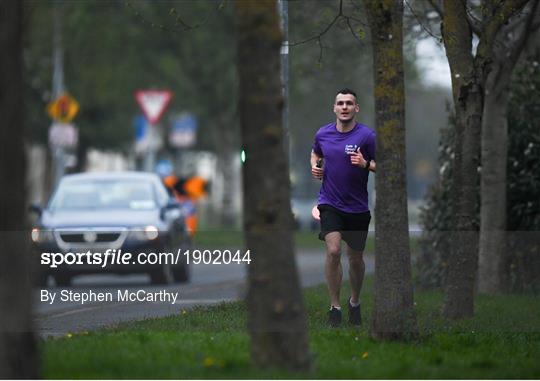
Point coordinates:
pixel 72 237
pixel 111 238
pixel 80 237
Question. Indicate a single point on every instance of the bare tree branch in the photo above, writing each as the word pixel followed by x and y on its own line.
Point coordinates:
pixel 474 22
pixel 338 17
pixel 356 20
pixel 352 30
pixel 145 21
pixel 355 6
pixel 179 20
pixel 180 25
pixel 493 24
pixel 503 14
pixel 506 42
pixel 436 7
pixel 318 36
pixel 439 38
pixel 525 29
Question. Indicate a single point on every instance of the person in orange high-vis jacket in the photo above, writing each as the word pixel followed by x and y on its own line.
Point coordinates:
pixel 187 192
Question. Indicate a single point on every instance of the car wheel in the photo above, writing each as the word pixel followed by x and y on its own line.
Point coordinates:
pixel 181 273
pixel 62 280
pixel 163 275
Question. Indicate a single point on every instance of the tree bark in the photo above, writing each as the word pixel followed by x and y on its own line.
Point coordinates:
pixel 462 263
pixel 394 316
pixel 469 74
pixel 467 94
pixel 492 245
pixel 276 314
pixel 492 275
pixel 18 353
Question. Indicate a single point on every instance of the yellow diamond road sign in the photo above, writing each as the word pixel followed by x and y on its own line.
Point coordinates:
pixel 63 109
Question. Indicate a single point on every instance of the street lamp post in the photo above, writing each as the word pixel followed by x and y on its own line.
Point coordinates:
pixel 284 15
pixel 58 88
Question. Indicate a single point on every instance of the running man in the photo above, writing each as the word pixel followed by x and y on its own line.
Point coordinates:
pixel 343 154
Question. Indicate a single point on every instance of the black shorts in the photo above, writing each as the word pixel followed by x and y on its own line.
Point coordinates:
pixel 352 226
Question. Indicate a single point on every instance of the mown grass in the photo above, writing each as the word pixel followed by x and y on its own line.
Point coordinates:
pixel 215 239
pixel 303 240
pixel 501 341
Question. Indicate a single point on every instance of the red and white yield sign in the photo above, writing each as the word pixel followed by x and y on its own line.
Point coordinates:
pixel 153 103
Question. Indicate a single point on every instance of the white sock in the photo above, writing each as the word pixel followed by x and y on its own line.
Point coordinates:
pixel 354 304
pixel 337 308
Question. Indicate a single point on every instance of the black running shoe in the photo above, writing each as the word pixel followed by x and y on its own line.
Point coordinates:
pixel 355 315
pixel 334 317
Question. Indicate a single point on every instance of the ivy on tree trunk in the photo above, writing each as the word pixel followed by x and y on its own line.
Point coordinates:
pixel 394 316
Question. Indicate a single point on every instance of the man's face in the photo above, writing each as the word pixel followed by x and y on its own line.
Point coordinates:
pixel 345 107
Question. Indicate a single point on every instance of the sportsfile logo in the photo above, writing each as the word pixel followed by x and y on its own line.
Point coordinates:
pixel 114 257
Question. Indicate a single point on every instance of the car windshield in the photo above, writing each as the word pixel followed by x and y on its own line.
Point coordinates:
pixel 104 194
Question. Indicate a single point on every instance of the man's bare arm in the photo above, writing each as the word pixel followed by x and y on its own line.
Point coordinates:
pixel 316 172
pixel 314 158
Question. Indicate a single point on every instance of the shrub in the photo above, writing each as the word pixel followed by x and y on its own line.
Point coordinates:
pixel 523 193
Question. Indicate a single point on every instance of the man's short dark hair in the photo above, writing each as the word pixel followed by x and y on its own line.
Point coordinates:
pixel 346 91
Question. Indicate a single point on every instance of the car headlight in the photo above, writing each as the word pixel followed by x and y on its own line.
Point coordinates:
pixel 42 236
pixel 147 233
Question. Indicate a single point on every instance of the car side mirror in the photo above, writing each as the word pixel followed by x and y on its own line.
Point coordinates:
pixel 36 208
pixel 171 205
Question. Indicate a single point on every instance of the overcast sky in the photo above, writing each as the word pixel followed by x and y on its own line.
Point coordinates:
pixel 432 63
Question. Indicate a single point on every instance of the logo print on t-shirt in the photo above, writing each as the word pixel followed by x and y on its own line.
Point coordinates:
pixel 350 148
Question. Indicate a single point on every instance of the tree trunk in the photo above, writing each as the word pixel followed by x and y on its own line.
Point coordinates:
pixel 394 316
pixel 492 274
pixel 469 75
pixel 18 353
pixel 462 262
pixel 492 247
pixel 276 315
pixel 467 93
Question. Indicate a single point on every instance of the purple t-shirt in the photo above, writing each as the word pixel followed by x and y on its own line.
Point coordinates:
pixel 344 186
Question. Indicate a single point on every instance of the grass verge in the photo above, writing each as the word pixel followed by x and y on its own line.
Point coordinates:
pixel 303 240
pixel 501 342
pixel 233 239
pixel 215 239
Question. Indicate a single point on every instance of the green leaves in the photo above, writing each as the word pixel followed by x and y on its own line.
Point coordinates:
pixel 361 32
